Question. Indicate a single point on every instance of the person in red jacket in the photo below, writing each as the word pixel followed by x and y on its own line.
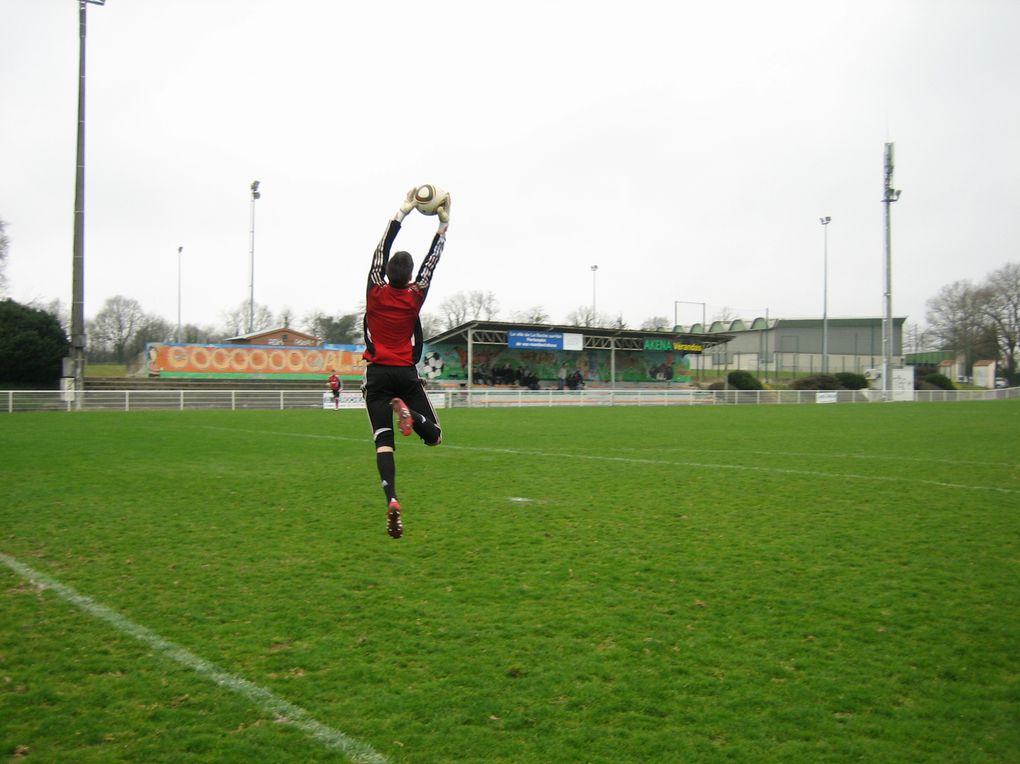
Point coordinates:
pixel 335 386
pixel 393 345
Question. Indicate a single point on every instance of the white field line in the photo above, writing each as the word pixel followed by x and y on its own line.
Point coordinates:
pixel 284 712
pixel 661 462
pixel 874 457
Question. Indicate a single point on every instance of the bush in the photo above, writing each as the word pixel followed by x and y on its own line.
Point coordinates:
pixel 32 346
pixel 852 381
pixel 940 381
pixel 817 382
pixel 743 380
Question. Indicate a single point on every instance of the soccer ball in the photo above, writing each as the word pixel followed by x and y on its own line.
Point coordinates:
pixel 429 198
pixel 431 365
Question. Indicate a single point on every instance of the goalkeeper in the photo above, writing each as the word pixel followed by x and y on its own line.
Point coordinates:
pixel 393 345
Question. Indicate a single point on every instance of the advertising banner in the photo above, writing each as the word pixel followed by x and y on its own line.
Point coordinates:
pixel 528 339
pixel 675 346
pixel 544 340
pixel 347 400
pixel 182 360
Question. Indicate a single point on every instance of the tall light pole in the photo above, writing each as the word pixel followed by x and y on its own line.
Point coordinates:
pixel 251 267
pixel 701 363
pixel 594 270
pixel 825 296
pixel 78 258
pixel 179 250
pixel 891 195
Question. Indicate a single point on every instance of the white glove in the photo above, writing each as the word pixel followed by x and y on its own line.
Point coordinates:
pixel 408 205
pixel 444 213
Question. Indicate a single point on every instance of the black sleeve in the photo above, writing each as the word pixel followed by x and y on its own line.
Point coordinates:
pixel 377 273
pixel 419 341
pixel 428 265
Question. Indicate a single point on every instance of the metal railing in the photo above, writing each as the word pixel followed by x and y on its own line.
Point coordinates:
pixel 246 400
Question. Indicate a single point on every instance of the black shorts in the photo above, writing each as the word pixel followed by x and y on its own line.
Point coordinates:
pixel 381 385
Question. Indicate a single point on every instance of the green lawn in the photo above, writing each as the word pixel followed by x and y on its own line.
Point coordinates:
pixel 105 370
pixel 732 584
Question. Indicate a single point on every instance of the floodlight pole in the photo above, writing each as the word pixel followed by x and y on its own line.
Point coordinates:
pixel 78 257
pixel 251 268
pixel 179 250
pixel 825 296
pixel 594 270
pixel 891 195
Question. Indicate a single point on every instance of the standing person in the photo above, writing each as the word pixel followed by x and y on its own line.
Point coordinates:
pixel 393 345
pixel 335 386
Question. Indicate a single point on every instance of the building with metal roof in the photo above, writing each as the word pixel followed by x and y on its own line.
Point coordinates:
pixel 784 347
pixel 499 352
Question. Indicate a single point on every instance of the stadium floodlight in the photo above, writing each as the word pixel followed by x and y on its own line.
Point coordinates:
pixel 891 195
pixel 179 250
pixel 251 264
pixel 825 296
pixel 78 256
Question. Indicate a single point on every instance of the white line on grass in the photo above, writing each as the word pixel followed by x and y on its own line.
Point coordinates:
pixel 283 711
pixel 874 457
pixel 663 462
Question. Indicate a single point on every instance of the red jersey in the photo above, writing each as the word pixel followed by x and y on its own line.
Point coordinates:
pixel 391 315
pixel 334 382
pixel 393 334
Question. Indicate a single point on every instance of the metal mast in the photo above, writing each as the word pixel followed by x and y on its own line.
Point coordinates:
pixel 891 195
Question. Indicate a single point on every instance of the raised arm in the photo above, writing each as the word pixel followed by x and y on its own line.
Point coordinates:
pixel 377 273
pixel 428 265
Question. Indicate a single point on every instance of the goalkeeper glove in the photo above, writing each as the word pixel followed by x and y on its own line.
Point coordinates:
pixel 407 206
pixel 444 212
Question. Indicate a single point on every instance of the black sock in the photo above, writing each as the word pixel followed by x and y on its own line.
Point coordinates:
pixel 388 472
pixel 426 430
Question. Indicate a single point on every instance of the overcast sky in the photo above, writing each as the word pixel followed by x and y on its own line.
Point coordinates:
pixel 687 149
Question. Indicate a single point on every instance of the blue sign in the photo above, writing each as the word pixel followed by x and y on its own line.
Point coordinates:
pixel 540 340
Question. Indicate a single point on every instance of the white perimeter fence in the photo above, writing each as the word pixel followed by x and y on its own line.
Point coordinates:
pixel 234 400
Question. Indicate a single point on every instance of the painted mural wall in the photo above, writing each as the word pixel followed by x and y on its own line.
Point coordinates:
pixel 226 361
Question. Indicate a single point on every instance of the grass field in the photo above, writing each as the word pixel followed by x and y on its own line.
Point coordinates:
pixel 739 584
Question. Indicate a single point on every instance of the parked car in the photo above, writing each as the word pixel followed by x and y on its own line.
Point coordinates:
pixel 1000 382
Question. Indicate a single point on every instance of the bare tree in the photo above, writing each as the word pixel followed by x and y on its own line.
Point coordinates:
pixel 533 315
pixel 483 306
pixel 56 308
pixel 201 334
pixel 431 325
pixel 657 324
pixel 151 329
pixel 468 306
pixel 454 310
pixel 916 339
pixel 1000 303
pixel 235 322
pixel 582 316
pixel 334 330
pixel 725 314
pixel 114 327
pixel 956 317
